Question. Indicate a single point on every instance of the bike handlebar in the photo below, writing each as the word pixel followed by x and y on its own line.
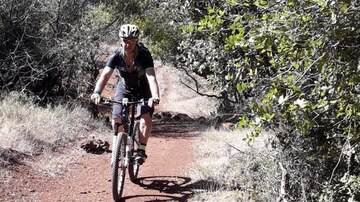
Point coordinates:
pixel 123 102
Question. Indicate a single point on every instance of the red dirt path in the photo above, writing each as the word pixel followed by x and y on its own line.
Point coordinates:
pixel 163 176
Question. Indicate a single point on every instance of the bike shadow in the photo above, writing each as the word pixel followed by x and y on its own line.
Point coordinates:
pixel 171 188
pixel 177 129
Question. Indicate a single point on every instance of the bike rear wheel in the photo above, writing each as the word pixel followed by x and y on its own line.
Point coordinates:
pixel 134 165
pixel 118 167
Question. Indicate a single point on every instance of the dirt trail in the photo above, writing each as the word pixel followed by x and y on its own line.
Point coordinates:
pixel 162 178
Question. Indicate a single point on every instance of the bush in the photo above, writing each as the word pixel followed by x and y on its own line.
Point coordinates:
pixel 29 129
pixel 234 171
pixel 289 66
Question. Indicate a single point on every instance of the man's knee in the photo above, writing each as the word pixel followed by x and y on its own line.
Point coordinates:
pixel 115 120
pixel 146 118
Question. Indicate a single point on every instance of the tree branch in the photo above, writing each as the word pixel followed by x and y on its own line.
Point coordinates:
pixel 284 182
pixel 197 86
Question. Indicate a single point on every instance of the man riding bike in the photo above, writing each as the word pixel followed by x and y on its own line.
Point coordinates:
pixel 135 66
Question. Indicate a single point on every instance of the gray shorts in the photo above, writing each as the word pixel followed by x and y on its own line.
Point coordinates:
pixel 122 92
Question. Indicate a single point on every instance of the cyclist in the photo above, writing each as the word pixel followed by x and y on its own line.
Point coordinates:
pixel 135 66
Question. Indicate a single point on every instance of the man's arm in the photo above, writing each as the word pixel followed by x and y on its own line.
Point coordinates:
pixel 103 79
pixel 154 87
pixel 100 84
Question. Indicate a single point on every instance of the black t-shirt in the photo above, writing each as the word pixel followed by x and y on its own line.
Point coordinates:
pixel 136 80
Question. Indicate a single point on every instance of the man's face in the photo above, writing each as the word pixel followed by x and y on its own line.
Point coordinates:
pixel 129 44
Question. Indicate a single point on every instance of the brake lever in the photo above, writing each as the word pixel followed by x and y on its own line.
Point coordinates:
pixel 143 102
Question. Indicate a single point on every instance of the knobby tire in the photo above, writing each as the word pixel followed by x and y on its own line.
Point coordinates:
pixel 134 166
pixel 118 167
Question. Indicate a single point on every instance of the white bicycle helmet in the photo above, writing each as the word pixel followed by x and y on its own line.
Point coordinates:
pixel 129 31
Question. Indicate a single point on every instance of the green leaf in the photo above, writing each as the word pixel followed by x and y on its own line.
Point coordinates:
pixel 204 21
pixel 233 2
pixel 296 65
pixel 292 107
pixel 344 9
pixel 244 121
pixel 321 3
pixel 248 140
pixel 251 72
pixel 191 28
pixel 263 2
pixel 211 10
pixel 265 17
pixel 268 116
pixel 219 21
pixel 272 62
pixel 221 12
pixel 240 87
pixel 319 42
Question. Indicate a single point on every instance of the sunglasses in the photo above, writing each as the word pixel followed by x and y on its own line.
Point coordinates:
pixel 129 41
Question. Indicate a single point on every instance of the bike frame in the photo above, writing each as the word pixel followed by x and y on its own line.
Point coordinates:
pixel 124 145
pixel 129 109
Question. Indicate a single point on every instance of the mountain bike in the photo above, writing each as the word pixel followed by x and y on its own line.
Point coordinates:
pixel 126 143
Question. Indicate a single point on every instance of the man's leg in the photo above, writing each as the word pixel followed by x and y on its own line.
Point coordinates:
pixel 114 122
pixel 116 114
pixel 145 132
pixel 145 128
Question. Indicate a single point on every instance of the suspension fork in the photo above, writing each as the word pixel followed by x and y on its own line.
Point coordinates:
pixel 114 139
pixel 127 130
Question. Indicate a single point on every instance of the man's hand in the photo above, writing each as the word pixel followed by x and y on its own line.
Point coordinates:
pixel 96 98
pixel 153 100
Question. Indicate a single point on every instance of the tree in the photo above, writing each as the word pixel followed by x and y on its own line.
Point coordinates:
pixel 51 48
pixel 292 66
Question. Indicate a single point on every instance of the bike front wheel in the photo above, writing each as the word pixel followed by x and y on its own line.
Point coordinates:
pixel 119 167
pixel 134 165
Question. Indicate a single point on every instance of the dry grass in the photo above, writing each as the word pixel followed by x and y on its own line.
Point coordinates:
pixel 227 169
pixel 33 130
pixel 57 164
pixel 179 98
pixel 4 176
